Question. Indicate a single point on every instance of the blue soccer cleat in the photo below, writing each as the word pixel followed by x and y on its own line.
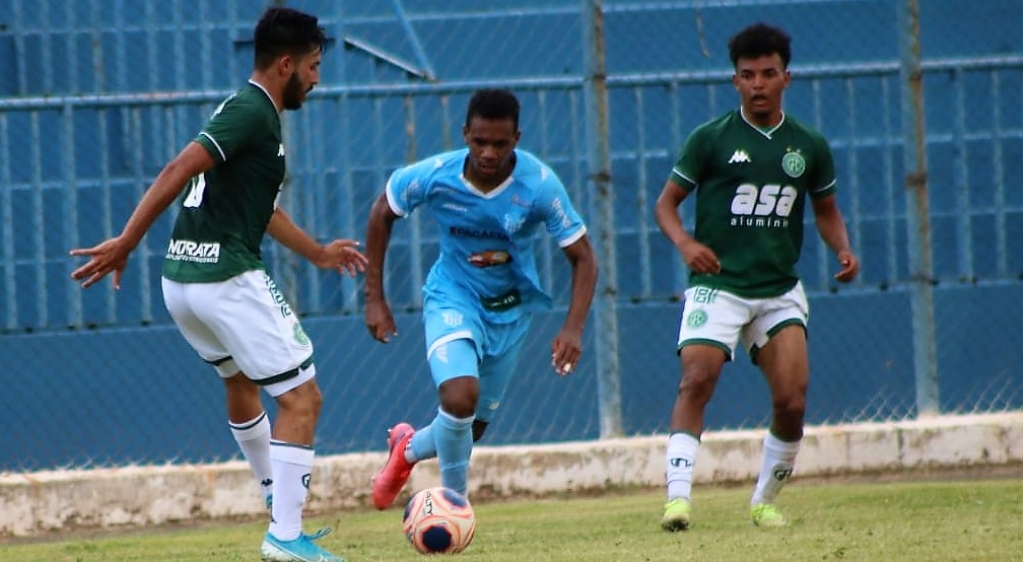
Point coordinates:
pixel 302 549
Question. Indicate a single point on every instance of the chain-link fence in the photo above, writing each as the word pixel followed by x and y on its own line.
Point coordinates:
pixel 99 95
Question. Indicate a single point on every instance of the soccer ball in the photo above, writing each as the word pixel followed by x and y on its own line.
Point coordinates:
pixel 439 521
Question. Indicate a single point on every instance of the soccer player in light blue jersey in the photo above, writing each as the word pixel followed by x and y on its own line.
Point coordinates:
pixel 488 199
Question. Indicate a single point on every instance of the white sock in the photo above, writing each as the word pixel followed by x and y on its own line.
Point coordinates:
pixel 779 459
pixel 292 468
pixel 679 463
pixel 253 439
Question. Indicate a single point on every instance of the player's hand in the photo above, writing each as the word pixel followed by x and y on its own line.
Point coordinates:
pixel 380 321
pixel 850 266
pixel 108 256
pixel 701 259
pixel 566 350
pixel 342 255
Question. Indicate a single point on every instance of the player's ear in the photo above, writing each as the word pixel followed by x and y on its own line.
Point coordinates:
pixel 285 65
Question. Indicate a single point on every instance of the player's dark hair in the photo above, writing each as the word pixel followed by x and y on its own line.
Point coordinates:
pixel 493 104
pixel 286 31
pixel 759 40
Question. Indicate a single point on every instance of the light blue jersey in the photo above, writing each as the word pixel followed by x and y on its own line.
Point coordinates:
pixel 486 240
pixel 484 284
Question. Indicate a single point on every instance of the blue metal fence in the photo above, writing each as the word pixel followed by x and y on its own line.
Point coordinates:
pixel 101 95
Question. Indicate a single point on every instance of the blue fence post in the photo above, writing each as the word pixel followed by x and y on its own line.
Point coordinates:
pixel 601 221
pixel 918 223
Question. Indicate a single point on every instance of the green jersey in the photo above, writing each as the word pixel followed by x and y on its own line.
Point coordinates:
pixel 224 212
pixel 751 186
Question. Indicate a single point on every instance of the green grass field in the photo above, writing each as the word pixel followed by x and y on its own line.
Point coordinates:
pixel 904 522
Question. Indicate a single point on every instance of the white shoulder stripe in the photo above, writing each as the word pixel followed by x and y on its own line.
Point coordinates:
pixel 826 186
pixel 573 238
pixel 679 173
pixel 216 145
pixel 391 202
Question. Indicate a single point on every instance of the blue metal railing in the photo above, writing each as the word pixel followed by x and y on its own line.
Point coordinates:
pixel 146 129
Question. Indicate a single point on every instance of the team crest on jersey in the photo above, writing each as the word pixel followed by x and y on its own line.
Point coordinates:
pixel 793 164
pixel 512 223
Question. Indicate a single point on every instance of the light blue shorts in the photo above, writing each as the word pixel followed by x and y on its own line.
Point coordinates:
pixel 460 343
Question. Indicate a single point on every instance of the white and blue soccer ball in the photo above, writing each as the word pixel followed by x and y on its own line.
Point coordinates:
pixel 439 521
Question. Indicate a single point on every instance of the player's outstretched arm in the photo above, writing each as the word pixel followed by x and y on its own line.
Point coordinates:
pixel 832 229
pixel 567 346
pixel 341 254
pixel 379 320
pixel 112 254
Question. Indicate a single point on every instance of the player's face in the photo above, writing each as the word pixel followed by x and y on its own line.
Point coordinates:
pixel 760 83
pixel 491 145
pixel 305 75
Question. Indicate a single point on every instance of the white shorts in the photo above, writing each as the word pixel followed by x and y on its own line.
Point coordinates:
pixel 718 318
pixel 243 324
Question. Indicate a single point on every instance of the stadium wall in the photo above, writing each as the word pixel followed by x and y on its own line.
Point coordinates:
pixel 49 502
pixel 101 379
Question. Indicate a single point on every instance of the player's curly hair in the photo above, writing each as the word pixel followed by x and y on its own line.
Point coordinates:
pixel 760 40
pixel 286 31
pixel 493 104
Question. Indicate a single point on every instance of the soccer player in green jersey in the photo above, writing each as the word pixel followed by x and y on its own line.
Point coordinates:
pixel 752 170
pixel 215 284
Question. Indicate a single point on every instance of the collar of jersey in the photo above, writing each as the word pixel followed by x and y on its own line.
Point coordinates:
pixel 766 133
pixel 492 193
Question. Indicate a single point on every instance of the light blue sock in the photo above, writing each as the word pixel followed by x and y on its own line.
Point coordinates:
pixel 453 437
pixel 423 446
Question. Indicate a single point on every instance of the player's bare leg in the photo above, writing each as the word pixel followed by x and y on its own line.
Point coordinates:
pixel 785 364
pixel 701 368
pixel 298 411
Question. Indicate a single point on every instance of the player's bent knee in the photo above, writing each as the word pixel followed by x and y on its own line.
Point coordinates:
pixel 698 382
pixel 459 407
pixel 790 408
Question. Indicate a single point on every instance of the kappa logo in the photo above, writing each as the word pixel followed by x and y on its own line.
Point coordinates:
pixel 739 156
pixel 280 150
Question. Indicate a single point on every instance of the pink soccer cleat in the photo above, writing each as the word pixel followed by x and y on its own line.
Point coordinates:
pixel 387 483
